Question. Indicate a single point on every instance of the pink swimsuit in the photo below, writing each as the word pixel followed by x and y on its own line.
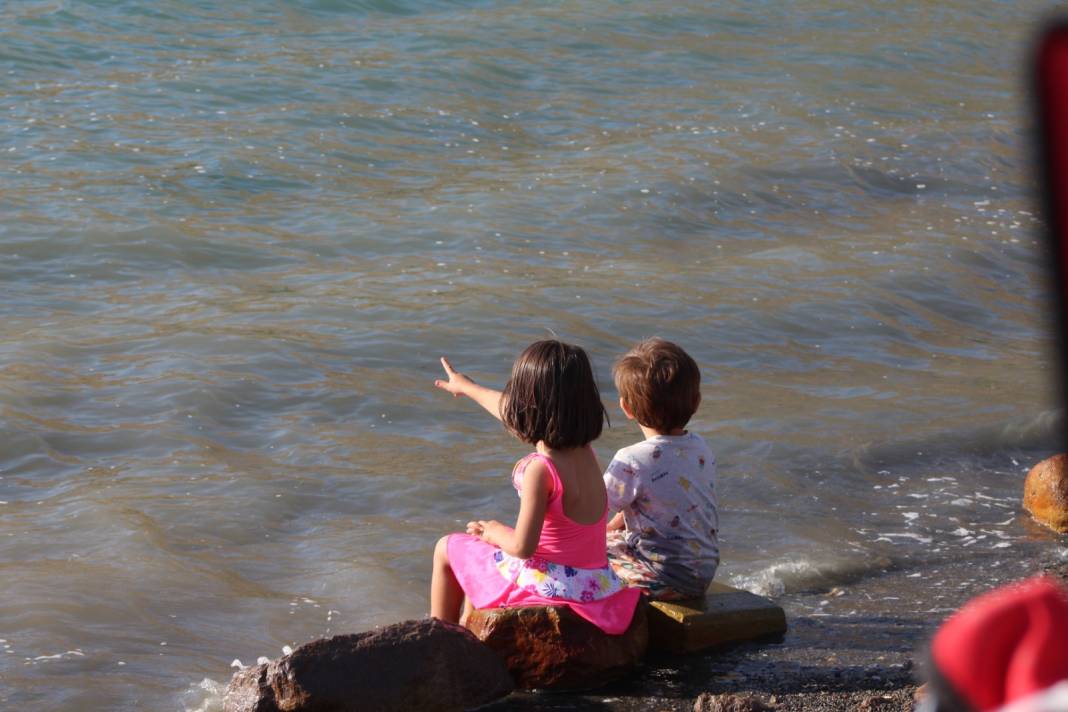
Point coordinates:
pixel 569 567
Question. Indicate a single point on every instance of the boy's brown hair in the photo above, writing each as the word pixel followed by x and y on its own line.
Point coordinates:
pixel 659 383
pixel 552 396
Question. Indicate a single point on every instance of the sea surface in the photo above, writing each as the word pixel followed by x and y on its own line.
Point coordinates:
pixel 236 238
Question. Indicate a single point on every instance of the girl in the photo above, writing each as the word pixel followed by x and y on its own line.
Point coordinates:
pixel 555 554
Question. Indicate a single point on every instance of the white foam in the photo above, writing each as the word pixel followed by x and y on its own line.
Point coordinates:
pixel 206 696
pixel 805 574
pixel 909 535
pixel 58 656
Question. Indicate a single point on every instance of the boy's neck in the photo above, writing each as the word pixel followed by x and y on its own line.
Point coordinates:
pixel 651 433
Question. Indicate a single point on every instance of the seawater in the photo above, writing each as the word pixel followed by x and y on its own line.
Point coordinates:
pixel 236 238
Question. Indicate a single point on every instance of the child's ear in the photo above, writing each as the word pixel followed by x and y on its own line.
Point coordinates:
pixel 626 411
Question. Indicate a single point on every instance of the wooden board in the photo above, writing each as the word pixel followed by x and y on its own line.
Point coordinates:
pixel 725 615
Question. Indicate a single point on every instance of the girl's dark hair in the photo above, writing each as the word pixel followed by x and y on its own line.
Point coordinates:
pixel 552 396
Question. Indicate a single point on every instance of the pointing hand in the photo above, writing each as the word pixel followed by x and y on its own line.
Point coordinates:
pixel 457 384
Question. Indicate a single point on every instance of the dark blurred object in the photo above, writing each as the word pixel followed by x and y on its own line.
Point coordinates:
pixel 1051 97
pixel 1008 647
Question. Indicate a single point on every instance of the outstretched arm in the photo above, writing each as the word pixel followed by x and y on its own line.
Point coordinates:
pixel 460 385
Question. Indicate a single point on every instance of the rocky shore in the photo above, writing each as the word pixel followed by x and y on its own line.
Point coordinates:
pixel 822 664
pixel 851 645
pixel 858 646
pixel 850 648
pixel 855 641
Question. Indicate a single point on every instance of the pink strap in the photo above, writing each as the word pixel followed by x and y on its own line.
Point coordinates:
pixel 521 468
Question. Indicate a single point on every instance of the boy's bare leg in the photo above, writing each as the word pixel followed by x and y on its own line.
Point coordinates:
pixel 446 596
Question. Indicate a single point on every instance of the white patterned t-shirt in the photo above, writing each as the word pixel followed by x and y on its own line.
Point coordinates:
pixel 666 488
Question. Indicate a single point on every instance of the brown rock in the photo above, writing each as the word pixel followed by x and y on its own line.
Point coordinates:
pixel 551 647
pixel 1046 493
pixel 415 665
pixel 707 702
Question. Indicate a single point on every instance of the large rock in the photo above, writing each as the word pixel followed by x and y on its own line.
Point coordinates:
pixel 1046 493
pixel 416 665
pixel 551 647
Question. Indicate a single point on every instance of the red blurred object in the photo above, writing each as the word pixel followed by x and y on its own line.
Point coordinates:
pixel 1005 645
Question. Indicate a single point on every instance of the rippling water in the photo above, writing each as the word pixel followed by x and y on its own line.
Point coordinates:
pixel 237 237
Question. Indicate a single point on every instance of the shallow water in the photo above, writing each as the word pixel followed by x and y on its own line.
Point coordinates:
pixel 238 237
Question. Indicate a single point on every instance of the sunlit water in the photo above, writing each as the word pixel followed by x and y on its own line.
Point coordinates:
pixel 237 236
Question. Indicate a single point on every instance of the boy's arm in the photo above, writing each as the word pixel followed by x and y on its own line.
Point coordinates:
pixel 460 385
pixel 621 485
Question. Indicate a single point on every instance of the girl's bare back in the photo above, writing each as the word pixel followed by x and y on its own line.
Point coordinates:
pixel 584 495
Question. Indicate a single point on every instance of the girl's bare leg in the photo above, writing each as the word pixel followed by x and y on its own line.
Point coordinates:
pixel 446 596
pixel 468 609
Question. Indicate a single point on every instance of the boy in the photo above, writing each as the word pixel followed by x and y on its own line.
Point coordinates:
pixel 664 538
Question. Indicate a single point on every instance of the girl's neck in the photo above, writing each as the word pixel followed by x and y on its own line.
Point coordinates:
pixel 544 449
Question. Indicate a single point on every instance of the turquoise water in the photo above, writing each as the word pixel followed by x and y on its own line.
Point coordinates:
pixel 238 237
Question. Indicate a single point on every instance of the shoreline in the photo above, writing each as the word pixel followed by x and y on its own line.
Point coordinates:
pixel 827 661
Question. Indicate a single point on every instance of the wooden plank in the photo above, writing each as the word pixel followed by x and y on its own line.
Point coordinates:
pixel 724 616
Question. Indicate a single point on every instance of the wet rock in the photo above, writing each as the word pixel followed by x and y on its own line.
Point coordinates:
pixel 249 691
pixel 415 665
pixel 550 647
pixel 1046 493
pixel 707 702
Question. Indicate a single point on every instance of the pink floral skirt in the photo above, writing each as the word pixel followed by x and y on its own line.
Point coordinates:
pixel 492 579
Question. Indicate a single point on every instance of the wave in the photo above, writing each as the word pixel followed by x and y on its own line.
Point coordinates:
pixel 205 696
pixel 807 575
pixel 1040 432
